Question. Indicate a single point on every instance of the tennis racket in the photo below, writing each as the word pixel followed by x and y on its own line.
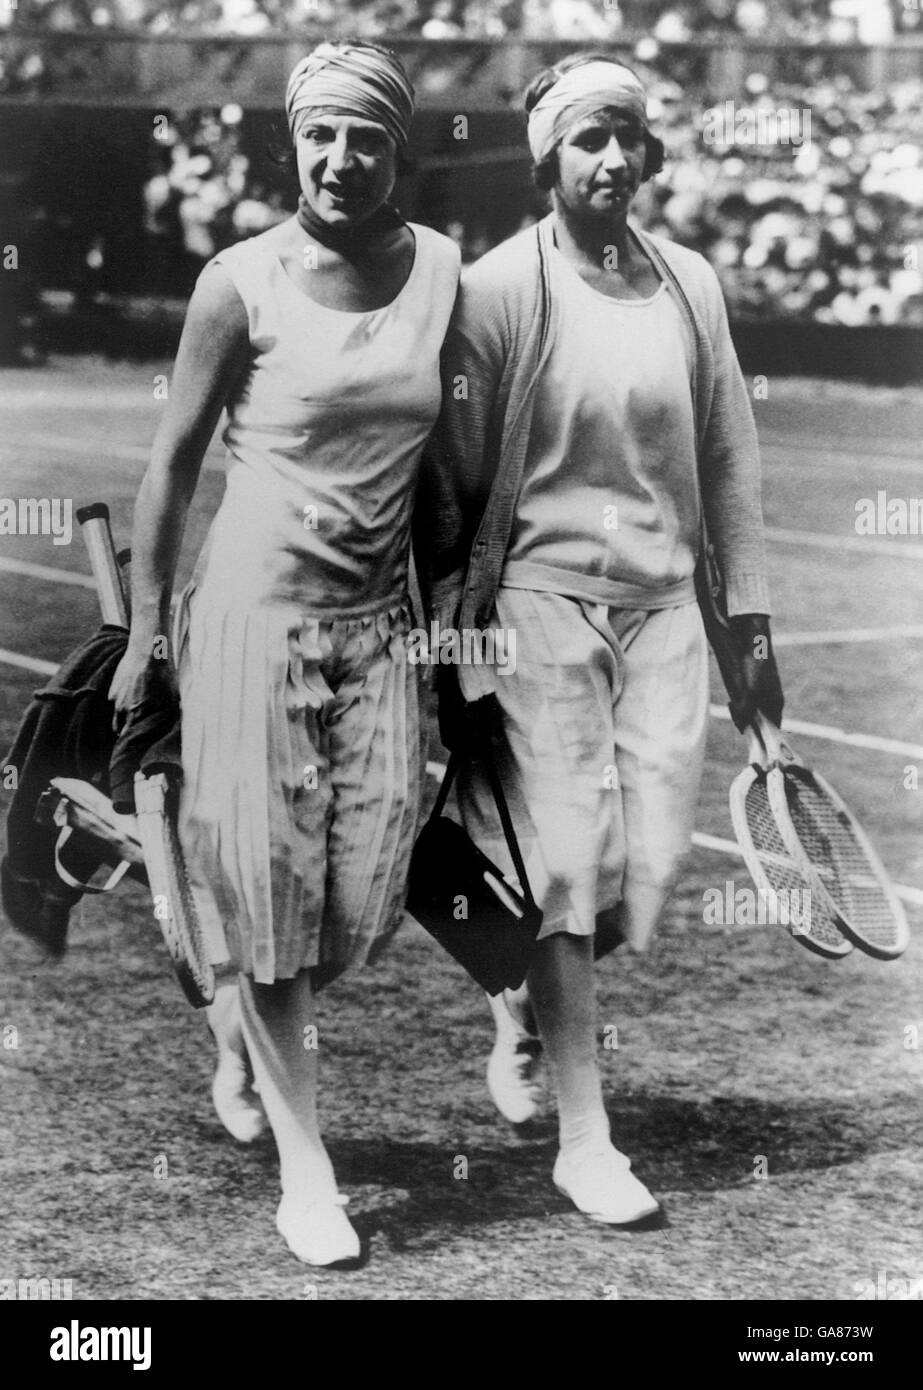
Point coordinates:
pixel 779 873
pixel 167 876
pixel 845 873
pixel 168 879
pixel 97 537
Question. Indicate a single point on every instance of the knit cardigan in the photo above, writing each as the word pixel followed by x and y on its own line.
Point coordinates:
pixel 502 332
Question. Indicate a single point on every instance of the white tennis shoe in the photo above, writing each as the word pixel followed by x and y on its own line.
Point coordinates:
pixel 513 1069
pixel 318 1233
pixel 602 1186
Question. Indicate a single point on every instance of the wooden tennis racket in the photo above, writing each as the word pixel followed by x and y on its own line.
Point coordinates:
pixel 835 853
pixel 778 870
pixel 167 876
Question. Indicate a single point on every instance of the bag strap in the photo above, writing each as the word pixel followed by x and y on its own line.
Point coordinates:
pixel 64 874
pixel 506 820
pixel 446 784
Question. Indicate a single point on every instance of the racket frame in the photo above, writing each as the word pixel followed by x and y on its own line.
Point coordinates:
pixel 787 759
pixel 760 765
pixel 168 879
pixel 167 876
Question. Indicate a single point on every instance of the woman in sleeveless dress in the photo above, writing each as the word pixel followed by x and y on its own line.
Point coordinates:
pixel 300 729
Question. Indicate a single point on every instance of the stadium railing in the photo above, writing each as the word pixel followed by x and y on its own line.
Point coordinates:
pixel 135 68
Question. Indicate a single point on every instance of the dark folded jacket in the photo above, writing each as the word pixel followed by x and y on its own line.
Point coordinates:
pixel 67 731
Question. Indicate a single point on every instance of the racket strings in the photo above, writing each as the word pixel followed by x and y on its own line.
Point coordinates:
pixel 840 860
pixel 778 866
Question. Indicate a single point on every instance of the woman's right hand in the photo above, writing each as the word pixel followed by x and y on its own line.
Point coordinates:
pixel 142 678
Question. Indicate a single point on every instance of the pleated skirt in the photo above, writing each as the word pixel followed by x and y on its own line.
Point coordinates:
pixel 302 772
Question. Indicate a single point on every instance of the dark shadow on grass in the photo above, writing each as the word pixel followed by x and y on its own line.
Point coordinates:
pixel 675 1145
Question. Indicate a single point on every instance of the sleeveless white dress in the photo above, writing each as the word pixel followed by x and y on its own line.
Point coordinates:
pixel 301 743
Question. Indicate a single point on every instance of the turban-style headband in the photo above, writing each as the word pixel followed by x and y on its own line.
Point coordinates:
pixel 357 81
pixel 577 94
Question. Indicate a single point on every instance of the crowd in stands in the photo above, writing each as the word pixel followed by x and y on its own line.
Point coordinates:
pixel 829 229
pixel 805 21
pixel 826 227
pixel 202 195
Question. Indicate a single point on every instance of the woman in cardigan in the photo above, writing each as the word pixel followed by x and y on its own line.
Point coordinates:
pixel 301 754
pixel 591 397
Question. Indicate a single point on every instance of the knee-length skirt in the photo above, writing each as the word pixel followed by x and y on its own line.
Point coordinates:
pixel 601 755
pixel 301 782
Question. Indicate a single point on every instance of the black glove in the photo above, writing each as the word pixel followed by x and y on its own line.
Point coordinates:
pixel 149 738
pixel 757 674
pixel 451 707
pixel 464 723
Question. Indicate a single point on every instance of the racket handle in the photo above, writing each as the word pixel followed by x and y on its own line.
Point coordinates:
pixel 94 522
pixel 124 563
pixel 769 737
pixel 756 753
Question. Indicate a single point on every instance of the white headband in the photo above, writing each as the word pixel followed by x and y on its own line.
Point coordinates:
pixel 578 93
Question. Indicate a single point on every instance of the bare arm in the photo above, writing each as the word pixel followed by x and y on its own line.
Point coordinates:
pixel 212 354
pixel 454 477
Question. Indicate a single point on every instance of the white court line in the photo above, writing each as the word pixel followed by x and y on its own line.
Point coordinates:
pixel 86 448
pixel 820 637
pixel 864 545
pixel 830 734
pixel 836 469
pixel 903 890
pixel 82 581
pixel 908 894
pixel 842 446
pixel 28 663
pixel 838 463
pixel 214 462
pixel 846 634
pixel 68 395
pixel 437 771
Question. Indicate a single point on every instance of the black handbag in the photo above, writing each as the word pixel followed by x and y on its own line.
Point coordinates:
pixel 462 898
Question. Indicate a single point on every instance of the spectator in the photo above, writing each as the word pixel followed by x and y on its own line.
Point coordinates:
pixel 446 20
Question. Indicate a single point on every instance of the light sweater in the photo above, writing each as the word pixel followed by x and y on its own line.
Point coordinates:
pixel 609 506
pixel 503 330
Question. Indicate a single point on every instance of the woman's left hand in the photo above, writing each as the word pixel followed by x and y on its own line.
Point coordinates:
pixel 761 688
